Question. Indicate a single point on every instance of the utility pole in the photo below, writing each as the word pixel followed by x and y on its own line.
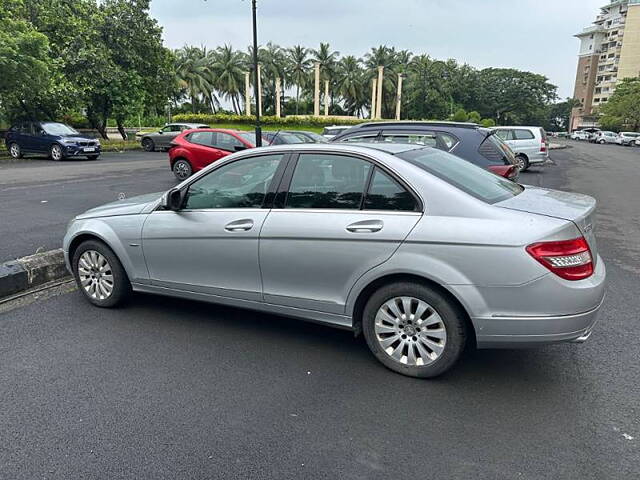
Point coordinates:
pixel 257 76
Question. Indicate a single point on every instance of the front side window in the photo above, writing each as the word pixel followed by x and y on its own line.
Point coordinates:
pixel 328 181
pixel 386 194
pixel 240 184
pixel 201 138
pixel 463 175
pixel 504 134
pixel 227 142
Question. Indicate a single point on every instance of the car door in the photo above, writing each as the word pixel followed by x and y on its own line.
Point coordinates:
pixel 41 141
pixel 203 149
pixel 323 233
pixel 210 246
pixel 526 141
pixel 27 142
pixel 508 137
pixel 167 134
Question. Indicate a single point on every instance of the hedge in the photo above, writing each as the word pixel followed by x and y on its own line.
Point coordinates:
pixel 300 120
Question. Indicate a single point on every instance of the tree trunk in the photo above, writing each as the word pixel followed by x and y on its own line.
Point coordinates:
pixel 297 97
pixel 121 129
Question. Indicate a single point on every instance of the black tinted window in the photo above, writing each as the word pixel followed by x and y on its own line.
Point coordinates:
pixel 241 184
pixel 201 138
pixel 386 194
pixel 328 181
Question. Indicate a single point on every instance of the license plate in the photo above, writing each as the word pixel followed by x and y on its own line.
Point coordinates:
pixel 89 149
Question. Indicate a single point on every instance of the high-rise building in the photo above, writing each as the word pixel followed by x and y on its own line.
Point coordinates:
pixel 609 52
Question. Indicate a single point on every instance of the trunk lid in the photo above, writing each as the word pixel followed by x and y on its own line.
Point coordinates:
pixel 575 207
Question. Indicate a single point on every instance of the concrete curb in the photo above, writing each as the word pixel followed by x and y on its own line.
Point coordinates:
pixel 557 146
pixel 28 272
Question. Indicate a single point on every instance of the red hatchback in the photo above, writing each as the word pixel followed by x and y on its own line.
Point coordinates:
pixel 193 150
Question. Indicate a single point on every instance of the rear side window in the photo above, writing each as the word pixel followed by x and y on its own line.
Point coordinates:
pixel 327 181
pixel 463 175
pixel 386 194
pixel 523 135
pixel 440 140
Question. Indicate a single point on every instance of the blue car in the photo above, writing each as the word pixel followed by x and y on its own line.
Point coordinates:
pixel 57 140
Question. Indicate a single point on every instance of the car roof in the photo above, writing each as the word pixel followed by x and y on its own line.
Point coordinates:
pixel 417 123
pixel 390 148
pixel 515 126
pixel 192 125
pixel 222 130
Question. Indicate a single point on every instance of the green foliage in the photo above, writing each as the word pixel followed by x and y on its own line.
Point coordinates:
pixel 558 114
pixel 488 122
pixel 474 117
pixel 623 107
pixel 212 119
pixel 460 115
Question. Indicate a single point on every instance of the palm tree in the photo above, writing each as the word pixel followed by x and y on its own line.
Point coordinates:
pixel 327 60
pixel 298 67
pixel 351 85
pixel 273 66
pixel 193 75
pixel 228 67
pixel 386 57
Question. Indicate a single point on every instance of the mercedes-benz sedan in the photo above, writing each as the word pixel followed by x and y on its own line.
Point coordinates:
pixel 419 250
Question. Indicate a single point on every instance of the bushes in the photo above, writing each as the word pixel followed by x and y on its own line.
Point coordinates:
pixel 301 120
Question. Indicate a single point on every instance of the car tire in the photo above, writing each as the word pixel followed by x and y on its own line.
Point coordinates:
pixel 15 151
pixel 182 169
pixel 424 346
pixel 601 142
pixel 93 157
pixel 148 145
pixel 56 152
pixel 99 274
pixel 523 162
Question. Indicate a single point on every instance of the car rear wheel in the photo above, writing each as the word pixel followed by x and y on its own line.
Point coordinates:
pixel 601 142
pixel 523 162
pixel 148 145
pixel 99 274
pixel 15 151
pixel 56 152
pixel 414 329
pixel 182 169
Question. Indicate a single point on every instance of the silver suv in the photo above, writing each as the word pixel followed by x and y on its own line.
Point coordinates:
pixel 530 144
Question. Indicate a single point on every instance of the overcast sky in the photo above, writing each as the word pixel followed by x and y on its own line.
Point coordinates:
pixel 533 35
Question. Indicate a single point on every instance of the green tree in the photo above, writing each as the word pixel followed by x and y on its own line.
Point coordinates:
pixel 474 117
pixel 298 68
pixel 228 67
pixel 460 115
pixel 623 107
pixel 351 84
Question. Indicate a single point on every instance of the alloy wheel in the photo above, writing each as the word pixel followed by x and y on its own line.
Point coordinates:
pixel 521 162
pixel 95 274
pixel 56 152
pixel 182 170
pixel 14 150
pixel 410 331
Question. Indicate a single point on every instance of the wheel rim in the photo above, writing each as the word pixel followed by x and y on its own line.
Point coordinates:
pixel 147 145
pixel 15 150
pixel 96 276
pixel 56 152
pixel 410 331
pixel 521 163
pixel 182 170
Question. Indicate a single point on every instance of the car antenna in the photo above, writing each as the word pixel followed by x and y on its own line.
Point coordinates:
pixel 274 137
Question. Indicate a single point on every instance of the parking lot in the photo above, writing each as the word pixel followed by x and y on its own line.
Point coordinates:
pixel 167 388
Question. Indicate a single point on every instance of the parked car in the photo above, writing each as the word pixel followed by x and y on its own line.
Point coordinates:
pixel 330 132
pixel 421 251
pixel 161 139
pixel 193 150
pixel 530 144
pixel 57 140
pixel 281 138
pixel 627 138
pixel 580 135
pixel 308 137
pixel 467 140
pixel 603 137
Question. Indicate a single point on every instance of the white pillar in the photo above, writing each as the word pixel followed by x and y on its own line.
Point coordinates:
pixel 399 97
pixel 316 92
pixel 259 91
pixel 326 98
pixel 373 98
pixel 247 93
pixel 278 97
pixel 379 94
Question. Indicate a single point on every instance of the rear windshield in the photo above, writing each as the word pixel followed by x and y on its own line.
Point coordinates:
pixel 496 151
pixel 469 178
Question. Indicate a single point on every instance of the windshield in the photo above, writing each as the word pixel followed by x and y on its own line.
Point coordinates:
pixel 306 136
pixel 248 136
pixel 58 129
pixel 469 178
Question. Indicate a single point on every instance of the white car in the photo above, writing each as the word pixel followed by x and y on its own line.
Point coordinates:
pixel 604 136
pixel 529 144
pixel 580 135
pixel 627 138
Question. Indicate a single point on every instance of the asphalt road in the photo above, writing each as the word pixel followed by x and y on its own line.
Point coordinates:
pixel 38 196
pixel 170 389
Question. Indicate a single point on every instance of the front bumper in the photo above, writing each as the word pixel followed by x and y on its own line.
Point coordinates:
pixel 80 151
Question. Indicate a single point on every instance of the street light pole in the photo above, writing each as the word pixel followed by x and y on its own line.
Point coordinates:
pixel 256 78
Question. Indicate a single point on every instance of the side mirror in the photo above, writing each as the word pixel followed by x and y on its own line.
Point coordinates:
pixel 42 133
pixel 172 200
pixel 160 131
pixel 239 148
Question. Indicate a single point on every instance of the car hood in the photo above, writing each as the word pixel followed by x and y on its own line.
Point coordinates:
pixel 77 138
pixel 127 206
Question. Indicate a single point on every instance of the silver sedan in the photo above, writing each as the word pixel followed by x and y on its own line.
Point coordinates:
pixel 420 251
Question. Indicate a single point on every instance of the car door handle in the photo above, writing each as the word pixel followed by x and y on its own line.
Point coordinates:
pixel 239 225
pixel 366 226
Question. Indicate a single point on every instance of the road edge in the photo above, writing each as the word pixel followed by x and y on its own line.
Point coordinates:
pixel 31 271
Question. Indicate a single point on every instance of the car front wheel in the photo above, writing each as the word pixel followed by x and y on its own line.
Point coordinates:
pixel 182 169
pixel 414 329
pixel 100 275
pixel 148 145
pixel 523 163
pixel 56 152
pixel 15 151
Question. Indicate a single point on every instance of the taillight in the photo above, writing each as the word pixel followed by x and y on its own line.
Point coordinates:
pixel 506 171
pixel 543 147
pixel 569 259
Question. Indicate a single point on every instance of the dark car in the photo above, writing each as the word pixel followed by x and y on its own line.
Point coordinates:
pixel 308 137
pixel 469 141
pixel 57 140
pixel 161 139
pixel 281 138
